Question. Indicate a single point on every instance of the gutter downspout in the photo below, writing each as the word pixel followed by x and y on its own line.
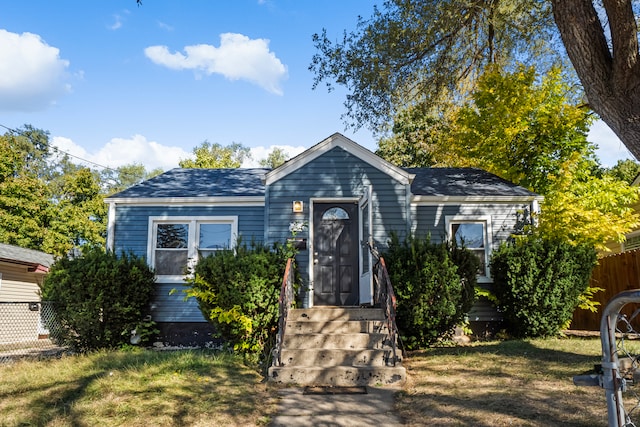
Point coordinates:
pixel 111 222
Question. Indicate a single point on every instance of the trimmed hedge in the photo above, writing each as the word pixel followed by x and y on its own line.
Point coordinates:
pixel 538 282
pixel 100 298
pixel 434 285
pixel 237 291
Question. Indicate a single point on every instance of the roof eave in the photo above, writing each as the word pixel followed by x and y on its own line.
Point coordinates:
pixel 32 267
pixel 422 199
pixel 226 200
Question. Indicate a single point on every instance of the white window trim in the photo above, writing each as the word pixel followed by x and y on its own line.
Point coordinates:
pixel 192 245
pixel 624 245
pixel 488 236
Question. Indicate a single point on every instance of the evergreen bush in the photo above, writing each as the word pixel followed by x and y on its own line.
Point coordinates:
pixel 237 291
pixel 434 285
pixel 100 298
pixel 538 283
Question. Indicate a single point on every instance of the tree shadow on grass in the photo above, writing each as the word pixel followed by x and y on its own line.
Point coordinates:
pixel 503 383
pixel 137 388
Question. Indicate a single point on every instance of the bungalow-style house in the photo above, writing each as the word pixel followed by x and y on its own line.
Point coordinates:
pixel 342 193
pixel 21 274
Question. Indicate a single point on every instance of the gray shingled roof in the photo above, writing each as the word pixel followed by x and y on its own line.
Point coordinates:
pixel 199 183
pixel 25 256
pixel 248 182
pixel 462 182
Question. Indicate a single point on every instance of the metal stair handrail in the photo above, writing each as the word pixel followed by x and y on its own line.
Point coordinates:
pixel 385 296
pixel 285 302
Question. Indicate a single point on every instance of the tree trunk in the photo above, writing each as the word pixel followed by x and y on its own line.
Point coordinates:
pixel 609 70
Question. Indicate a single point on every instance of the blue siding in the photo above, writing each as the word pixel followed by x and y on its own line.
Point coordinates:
pixel 430 219
pixel 336 174
pixel 132 233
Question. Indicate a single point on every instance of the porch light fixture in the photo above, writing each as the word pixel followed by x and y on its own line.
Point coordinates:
pixel 298 206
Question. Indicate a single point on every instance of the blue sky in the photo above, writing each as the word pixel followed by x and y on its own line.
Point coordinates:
pixel 115 83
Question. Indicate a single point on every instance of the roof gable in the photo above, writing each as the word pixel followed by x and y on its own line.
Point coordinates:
pixel 338 140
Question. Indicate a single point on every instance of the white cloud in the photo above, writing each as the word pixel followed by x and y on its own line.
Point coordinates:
pixel 121 151
pixel 610 148
pixel 165 26
pixel 237 58
pixel 151 154
pixel 117 24
pixel 261 153
pixel 32 74
pixel 118 20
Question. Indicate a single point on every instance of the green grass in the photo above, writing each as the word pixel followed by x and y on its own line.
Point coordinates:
pixel 500 383
pixel 183 388
pixel 506 383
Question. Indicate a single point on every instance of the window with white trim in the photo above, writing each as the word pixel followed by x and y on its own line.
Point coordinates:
pixel 632 242
pixel 177 243
pixel 472 233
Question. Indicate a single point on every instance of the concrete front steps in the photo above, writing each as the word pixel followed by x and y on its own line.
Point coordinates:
pixel 337 346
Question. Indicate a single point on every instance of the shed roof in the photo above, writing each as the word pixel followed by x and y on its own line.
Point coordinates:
pixel 36 260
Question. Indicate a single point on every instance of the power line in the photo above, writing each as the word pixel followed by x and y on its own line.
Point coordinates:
pixel 56 149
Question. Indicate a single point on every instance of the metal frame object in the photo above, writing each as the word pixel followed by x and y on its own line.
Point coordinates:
pixel 611 378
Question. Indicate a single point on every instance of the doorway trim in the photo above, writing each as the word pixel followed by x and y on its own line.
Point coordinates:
pixel 312 202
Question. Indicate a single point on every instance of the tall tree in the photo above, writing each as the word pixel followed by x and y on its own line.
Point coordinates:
pixel 606 58
pixel 525 128
pixel 624 170
pixel 417 51
pixel 276 157
pixel 214 156
pixel 24 196
pixel 522 126
pixel 581 208
pixel 46 202
pixel 518 125
pixel 115 180
pixel 412 50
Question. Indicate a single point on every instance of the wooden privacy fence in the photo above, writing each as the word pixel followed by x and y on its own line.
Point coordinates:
pixel 614 273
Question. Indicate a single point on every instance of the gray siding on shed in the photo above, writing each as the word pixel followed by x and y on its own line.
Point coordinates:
pixel 132 233
pixel 336 174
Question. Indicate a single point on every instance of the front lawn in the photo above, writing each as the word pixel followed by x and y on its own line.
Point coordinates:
pixel 506 383
pixel 181 388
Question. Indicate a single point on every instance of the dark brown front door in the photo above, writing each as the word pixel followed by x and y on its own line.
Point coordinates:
pixel 335 253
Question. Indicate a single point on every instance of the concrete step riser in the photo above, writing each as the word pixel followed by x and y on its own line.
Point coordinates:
pixel 327 358
pixel 336 341
pixel 335 313
pixel 338 376
pixel 338 327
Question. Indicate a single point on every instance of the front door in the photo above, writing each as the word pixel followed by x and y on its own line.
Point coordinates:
pixel 335 253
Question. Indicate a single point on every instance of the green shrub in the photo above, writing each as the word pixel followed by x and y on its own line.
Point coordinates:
pixel 237 291
pixel 538 283
pixel 433 293
pixel 99 298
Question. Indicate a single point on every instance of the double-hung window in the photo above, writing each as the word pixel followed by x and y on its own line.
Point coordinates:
pixel 176 243
pixel 472 233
